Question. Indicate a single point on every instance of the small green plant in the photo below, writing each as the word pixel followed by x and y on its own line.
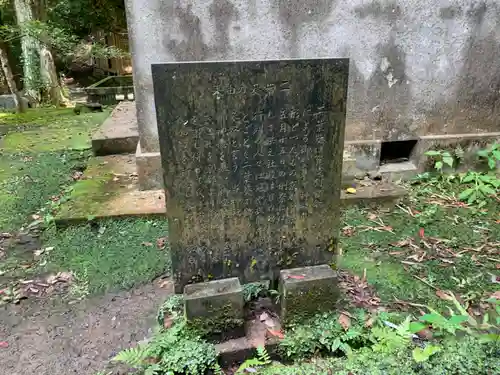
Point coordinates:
pixel 172 351
pixel 172 307
pixel 491 155
pixel 441 158
pixel 483 185
pixel 324 334
pixel 80 289
pixel 251 364
pixel 252 291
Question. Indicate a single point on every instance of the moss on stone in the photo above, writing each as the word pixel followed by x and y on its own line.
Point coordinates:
pixel 89 194
pixel 302 304
pixel 218 320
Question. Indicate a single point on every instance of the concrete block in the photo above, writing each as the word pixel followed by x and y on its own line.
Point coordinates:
pixel 307 291
pixel 118 134
pixel 215 308
pixel 360 157
pixel 469 143
pixel 149 169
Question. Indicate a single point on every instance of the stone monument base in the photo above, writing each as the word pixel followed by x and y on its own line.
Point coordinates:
pixel 306 291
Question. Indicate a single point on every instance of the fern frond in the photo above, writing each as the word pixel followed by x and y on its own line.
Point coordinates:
pixel 217 370
pixel 263 355
pixel 252 362
pixel 132 357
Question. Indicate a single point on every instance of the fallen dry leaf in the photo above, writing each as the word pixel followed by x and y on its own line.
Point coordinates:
pixel 447 261
pixel 496 295
pixel 161 243
pixel 369 322
pixel 396 252
pixel 371 216
pixel 64 276
pixel 167 322
pixel 344 321
pixel 35 217
pixel 348 231
pixel 164 283
pixel 402 243
pixel 148 244
pixel 443 295
pixel 276 333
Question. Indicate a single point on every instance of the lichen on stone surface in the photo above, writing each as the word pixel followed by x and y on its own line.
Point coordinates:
pixel 301 303
pixel 217 320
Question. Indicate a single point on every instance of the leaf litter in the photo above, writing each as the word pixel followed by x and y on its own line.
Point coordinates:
pixel 358 292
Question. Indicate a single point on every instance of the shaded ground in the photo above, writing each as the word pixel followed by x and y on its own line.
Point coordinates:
pixel 431 242
pixel 49 337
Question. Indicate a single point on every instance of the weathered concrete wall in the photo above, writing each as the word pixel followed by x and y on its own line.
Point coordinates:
pixel 418 67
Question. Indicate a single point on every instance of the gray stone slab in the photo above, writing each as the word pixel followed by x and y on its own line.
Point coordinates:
pixel 118 134
pixel 252 160
pixel 306 291
pixel 215 308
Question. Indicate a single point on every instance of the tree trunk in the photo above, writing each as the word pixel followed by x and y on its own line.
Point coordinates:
pixel 30 51
pixel 48 73
pixel 51 82
pixel 9 77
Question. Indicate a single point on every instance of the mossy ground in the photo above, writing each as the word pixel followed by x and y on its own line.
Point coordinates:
pixel 40 151
pixel 426 244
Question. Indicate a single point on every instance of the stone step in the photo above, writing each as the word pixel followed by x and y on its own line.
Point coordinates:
pixel 119 133
pixel 110 188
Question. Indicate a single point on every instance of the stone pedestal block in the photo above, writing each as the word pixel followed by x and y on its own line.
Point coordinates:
pixel 306 291
pixel 215 308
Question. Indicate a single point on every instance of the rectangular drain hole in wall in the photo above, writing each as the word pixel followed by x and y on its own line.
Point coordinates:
pixel 397 151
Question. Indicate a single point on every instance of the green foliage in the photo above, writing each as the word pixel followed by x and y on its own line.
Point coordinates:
pixel 110 252
pixel 441 158
pixel 323 334
pixel 133 357
pixel 481 186
pixel 81 17
pixel 476 187
pixel 491 155
pixel 173 351
pixel 263 359
pixel 172 307
pixel 423 354
pixel 252 291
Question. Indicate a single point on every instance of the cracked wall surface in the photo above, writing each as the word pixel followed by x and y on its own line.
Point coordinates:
pixel 417 67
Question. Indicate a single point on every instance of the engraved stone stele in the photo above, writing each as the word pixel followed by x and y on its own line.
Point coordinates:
pixel 252 160
pixel 306 291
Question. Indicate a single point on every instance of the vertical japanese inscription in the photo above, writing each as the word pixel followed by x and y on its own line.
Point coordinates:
pixel 252 159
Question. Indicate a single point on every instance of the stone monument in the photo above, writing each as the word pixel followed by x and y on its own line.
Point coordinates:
pixel 252 160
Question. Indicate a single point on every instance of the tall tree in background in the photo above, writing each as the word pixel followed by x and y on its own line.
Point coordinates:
pixel 41 32
pixel 30 51
pixel 51 88
pixel 9 77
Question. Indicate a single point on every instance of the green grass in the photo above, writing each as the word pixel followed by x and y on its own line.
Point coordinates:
pixel 39 151
pixel 460 228
pixel 113 254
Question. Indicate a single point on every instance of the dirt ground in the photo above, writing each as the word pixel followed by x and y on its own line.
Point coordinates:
pixel 50 337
